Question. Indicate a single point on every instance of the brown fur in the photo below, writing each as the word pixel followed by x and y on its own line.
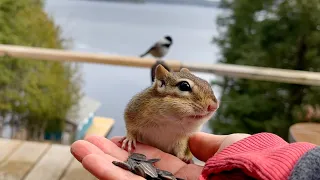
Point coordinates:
pixel 160 116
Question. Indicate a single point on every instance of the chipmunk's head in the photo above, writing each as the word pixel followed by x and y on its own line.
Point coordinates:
pixel 185 95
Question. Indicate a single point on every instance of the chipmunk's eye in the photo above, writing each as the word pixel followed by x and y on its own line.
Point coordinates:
pixel 184 86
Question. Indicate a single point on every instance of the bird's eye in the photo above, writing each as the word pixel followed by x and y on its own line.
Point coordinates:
pixel 184 86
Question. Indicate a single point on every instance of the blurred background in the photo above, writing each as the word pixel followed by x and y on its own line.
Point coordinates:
pixel 130 28
pixel 44 104
pixel 47 100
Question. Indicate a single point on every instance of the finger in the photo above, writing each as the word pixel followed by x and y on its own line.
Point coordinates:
pixel 203 145
pixel 101 167
pixel 81 148
pixel 108 147
pixel 168 162
pixel 84 150
pixel 184 173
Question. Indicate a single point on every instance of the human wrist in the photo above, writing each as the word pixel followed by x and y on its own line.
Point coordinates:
pixel 262 156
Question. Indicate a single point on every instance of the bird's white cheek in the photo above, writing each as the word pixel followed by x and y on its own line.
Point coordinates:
pixel 163 41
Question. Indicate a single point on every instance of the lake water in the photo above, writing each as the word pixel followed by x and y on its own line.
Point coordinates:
pixel 129 29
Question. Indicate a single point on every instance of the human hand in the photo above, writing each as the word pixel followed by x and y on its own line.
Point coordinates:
pixel 96 154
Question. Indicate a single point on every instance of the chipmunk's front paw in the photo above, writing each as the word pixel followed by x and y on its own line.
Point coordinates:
pixel 187 158
pixel 187 161
pixel 183 153
pixel 130 142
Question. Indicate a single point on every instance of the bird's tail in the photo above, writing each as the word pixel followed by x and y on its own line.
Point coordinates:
pixel 144 54
pixel 147 52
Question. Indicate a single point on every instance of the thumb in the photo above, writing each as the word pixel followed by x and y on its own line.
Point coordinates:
pixel 203 145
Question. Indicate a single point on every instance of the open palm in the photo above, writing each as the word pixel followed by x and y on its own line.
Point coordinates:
pixel 96 154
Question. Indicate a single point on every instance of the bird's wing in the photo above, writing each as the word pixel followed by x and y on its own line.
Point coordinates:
pixel 150 49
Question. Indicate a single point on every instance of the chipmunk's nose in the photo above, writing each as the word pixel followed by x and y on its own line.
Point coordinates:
pixel 212 107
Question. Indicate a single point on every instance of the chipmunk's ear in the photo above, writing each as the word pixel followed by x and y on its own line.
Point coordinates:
pixel 184 70
pixel 161 72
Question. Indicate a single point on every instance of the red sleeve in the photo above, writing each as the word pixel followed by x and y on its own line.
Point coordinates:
pixel 260 156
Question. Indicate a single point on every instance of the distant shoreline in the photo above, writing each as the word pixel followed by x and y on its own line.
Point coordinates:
pixel 202 3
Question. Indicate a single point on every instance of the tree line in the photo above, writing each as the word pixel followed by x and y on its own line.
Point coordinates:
pixel 271 33
pixel 35 96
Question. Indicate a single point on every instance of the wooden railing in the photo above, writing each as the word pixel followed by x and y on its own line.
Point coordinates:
pixel 237 71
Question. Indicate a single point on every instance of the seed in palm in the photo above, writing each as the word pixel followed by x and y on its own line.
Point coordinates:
pixel 154 160
pixel 132 162
pixel 139 171
pixel 123 165
pixel 149 169
pixel 166 175
pixel 138 157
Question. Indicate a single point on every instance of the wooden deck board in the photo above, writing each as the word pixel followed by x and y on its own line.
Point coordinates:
pixel 77 172
pixel 52 164
pixel 26 160
pixel 22 160
pixel 305 132
pixel 7 147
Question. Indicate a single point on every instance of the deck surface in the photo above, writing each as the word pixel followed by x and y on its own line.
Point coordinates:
pixel 28 160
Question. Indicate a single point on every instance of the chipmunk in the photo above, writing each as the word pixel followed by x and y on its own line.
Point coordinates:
pixel 168 112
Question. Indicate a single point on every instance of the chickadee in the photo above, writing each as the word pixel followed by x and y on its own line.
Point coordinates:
pixel 160 48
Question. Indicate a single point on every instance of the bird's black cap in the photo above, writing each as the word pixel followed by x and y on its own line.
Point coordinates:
pixel 169 38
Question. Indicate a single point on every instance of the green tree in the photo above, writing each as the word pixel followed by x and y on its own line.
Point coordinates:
pixel 271 33
pixel 35 95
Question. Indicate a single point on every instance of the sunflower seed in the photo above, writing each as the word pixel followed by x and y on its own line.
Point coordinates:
pixel 139 171
pixel 140 165
pixel 166 175
pixel 138 157
pixel 132 162
pixel 149 169
pixel 123 165
pixel 154 160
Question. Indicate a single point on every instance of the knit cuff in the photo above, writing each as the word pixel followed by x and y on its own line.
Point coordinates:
pixel 260 156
